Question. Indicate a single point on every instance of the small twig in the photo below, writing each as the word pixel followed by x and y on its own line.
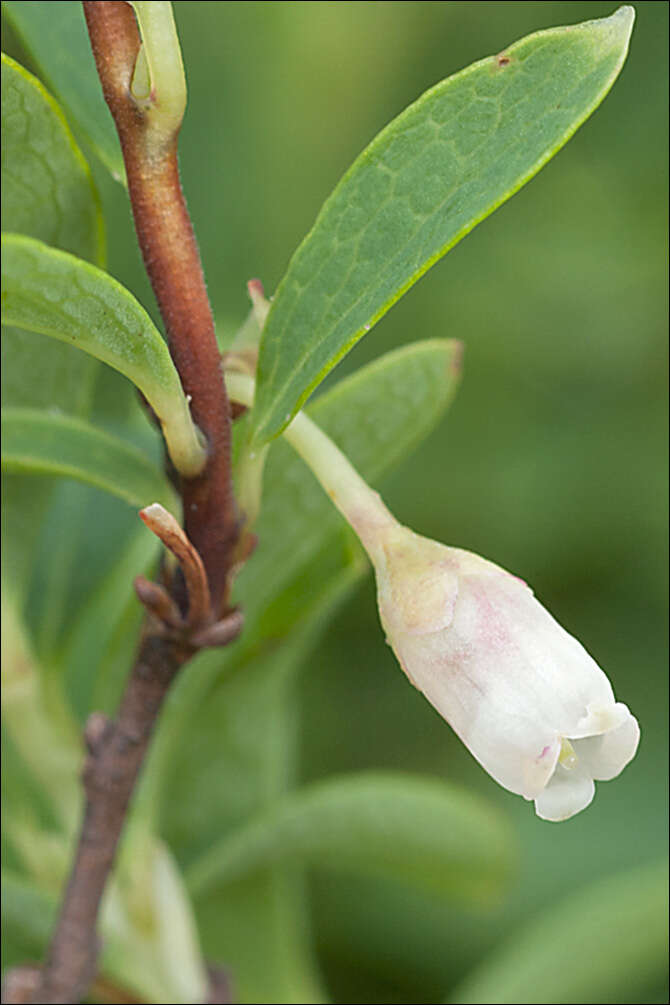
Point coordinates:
pixel 164 526
pixel 198 630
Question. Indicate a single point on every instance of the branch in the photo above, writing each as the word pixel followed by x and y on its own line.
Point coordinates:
pixel 172 261
pixel 146 96
pixel 116 751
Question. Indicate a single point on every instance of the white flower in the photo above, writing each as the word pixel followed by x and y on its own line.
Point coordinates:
pixel 524 696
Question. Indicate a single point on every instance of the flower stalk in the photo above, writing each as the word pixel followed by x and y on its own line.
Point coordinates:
pixel 524 696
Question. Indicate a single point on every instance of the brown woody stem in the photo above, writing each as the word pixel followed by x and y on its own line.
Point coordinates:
pixel 116 749
pixel 171 257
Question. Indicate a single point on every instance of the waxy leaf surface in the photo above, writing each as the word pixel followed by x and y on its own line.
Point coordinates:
pixel 424 182
pixel 47 188
pixel 56 294
pixel 57 41
pixel 47 193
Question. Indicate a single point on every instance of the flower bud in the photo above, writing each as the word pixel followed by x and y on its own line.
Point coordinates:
pixel 524 696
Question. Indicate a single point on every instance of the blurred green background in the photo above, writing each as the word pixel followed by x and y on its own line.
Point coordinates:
pixel 551 461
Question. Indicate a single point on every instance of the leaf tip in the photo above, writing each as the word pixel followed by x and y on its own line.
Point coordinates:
pixel 617 28
pixel 626 13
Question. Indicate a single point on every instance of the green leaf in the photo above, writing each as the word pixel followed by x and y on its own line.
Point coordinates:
pixel 376 417
pixel 56 294
pixel 47 188
pixel 27 913
pixel 606 943
pixel 39 442
pixel 47 193
pixel 424 182
pixel 417 830
pixel 60 48
pixel 37 719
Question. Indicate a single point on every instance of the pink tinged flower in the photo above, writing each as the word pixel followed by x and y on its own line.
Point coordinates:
pixel 524 696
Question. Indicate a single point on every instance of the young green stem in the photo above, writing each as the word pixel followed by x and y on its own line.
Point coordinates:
pixel 158 83
pixel 360 505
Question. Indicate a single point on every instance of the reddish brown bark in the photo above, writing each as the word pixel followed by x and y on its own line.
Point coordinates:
pixel 116 749
pixel 172 261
